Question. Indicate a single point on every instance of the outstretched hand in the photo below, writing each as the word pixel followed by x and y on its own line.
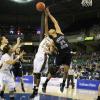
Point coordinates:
pixel 18 40
pixel 21 54
pixel 47 11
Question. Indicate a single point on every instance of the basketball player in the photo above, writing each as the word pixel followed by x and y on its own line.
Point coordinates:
pixel 4 42
pixel 6 76
pixel 41 60
pixel 17 68
pixel 63 57
pixel 51 56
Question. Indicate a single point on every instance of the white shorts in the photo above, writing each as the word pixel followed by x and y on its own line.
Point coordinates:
pixel 38 63
pixel 6 78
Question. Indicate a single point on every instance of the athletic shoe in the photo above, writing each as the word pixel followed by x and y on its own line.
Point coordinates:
pixel 35 92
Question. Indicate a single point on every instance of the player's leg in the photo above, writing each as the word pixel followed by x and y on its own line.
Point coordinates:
pixel 22 84
pixel 64 77
pixel 20 74
pixel 39 65
pixel 2 91
pixel 36 84
pixel 14 72
pixel 37 74
pixel 66 61
pixel 51 72
pixel 2 94
pixel 48 75
pixel 46 82
pixel 72 81
pixel 68 81
pixel 11 85
pixel 1 86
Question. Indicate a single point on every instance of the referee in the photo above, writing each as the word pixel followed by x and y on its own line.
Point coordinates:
pixel 70 77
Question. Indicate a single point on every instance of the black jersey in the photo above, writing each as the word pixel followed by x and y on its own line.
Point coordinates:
pixel 17 68
pixel 61 44
pixel 18 64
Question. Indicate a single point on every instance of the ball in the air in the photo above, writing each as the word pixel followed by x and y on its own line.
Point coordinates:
pixel 40 6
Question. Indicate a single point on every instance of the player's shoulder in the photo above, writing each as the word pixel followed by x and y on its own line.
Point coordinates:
pixel 48 39
pixel 5 55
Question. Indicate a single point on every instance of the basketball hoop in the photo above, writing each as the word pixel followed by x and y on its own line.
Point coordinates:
pixel 86 3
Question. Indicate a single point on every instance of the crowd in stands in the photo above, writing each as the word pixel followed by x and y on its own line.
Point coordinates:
pixel 87 66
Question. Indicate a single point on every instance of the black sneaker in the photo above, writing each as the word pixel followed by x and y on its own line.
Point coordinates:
pixel 44 88
pixel 62 87
pixel 35 92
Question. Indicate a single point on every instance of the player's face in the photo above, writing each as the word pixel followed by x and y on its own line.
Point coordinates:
pixel 52 31
pixel 4 40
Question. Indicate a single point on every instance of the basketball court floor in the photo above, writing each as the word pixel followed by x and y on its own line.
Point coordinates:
pixel 53 93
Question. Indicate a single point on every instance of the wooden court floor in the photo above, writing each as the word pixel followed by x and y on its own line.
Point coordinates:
pixel 75 94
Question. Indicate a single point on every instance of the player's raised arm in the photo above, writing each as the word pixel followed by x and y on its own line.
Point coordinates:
pixel 46 24
pixel 16 59
pixel 16 45
pixel 57 27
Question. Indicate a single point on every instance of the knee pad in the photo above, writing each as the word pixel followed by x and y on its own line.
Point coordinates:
pixel 37 75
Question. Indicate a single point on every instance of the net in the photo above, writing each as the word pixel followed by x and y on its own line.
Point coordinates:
pixel 86 3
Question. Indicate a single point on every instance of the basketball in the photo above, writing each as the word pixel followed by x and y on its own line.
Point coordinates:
pixel 40 6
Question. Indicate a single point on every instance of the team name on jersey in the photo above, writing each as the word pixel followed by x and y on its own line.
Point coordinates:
pixel 62 42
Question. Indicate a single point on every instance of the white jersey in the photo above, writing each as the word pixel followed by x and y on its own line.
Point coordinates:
pixel 45 44
pixel 0 53
pixel 1 50
pixel 4 65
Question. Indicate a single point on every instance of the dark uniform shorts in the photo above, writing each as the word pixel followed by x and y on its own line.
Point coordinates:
pixel 17 71
pixel 63 59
